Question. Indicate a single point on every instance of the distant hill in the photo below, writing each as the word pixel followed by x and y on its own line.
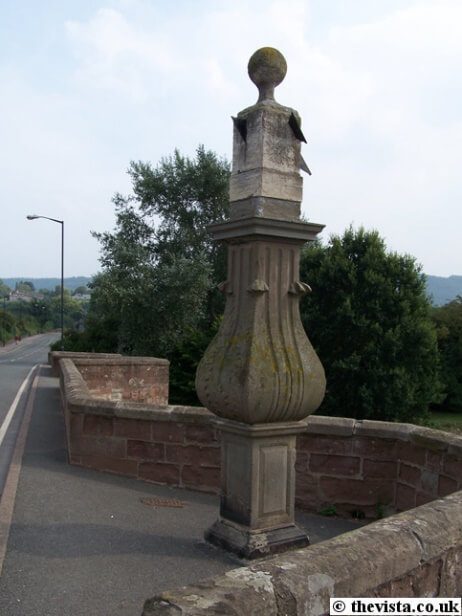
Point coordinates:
pixel 50 283
pixel 439 289
pixel 443 290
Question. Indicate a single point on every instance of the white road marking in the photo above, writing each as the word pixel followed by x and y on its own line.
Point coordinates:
pixel 9 416
pixel 8 496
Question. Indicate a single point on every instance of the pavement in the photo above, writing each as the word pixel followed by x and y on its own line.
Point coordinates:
pixel 83 543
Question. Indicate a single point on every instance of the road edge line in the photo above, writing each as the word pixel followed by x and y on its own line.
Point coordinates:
pixel 8 496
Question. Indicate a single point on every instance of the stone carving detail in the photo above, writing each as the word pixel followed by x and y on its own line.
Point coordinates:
pixel 261 366
pixel 299 288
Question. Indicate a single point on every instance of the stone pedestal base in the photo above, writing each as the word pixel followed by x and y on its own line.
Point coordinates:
pixel 252 544
pixel 258 489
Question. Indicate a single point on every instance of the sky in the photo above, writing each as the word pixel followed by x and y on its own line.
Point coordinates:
pixel 86 86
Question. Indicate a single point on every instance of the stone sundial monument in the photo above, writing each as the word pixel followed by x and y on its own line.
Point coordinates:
pixel 260 374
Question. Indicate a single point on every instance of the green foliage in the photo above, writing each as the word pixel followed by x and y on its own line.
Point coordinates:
pixel 4 289
pixel 368 319
pixel 49 284
pixel 25 286
pixel 82 290
pixel 184 196
pixel 7 327
pixel 73 341
pixel 184 358
pixel 380 511
pixel 41 313
pixel 448 320
pixel 145 310
pixel 328 511
pixel 449 421
pixel 26 326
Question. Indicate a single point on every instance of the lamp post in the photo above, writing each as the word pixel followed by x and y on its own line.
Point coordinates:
pixel 61 222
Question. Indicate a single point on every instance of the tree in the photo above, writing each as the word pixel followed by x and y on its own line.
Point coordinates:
pixel 7 326
pixel 82 290
pixel 25 286
pixel 186 195
pixel 4 289
pixel 368 319
pixel 448 320
pixel 160 267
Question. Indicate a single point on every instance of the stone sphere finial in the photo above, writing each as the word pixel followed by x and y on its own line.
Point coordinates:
pixel 267 68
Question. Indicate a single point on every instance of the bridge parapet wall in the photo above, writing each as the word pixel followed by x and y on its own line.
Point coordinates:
pixel 344 466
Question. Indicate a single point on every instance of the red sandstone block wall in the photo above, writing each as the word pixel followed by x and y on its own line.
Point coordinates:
pixel 177 454
pixel 371 476
pixel 355 475
pixel 127 379
pixel 355 468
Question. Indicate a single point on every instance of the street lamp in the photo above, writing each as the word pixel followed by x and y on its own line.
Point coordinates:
pixel 61 222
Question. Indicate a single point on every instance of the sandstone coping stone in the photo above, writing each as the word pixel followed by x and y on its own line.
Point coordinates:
pixel 383 429
pixel 120 360
pixel 342 426
pixel 55 356
pixel 356 564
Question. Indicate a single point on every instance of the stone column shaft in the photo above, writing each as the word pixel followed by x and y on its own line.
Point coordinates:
pixel 261 366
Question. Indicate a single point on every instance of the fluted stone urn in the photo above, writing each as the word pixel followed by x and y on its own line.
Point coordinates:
pixel 260 375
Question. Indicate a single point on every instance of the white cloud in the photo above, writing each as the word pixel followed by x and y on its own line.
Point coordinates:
pixel 380 100
pixel 117 55
pixel 51 165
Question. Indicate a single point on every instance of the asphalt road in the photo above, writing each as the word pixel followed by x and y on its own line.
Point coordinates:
pixel 16 362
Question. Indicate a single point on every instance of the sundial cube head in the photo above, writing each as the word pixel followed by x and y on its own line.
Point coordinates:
pixel 265 178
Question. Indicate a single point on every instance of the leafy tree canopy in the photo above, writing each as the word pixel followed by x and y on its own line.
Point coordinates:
pixel 160 267
pixel 25 286
pixel 82 290
pixel 448 320
pixel 4 289
pixel 368 319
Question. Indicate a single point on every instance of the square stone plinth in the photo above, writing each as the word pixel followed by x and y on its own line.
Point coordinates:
pixel 258 489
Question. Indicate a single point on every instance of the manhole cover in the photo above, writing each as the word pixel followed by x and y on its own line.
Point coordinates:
pixel 154 501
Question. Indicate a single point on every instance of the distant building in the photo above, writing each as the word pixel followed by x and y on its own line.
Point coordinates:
pixel 82 296
pixel 16 296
